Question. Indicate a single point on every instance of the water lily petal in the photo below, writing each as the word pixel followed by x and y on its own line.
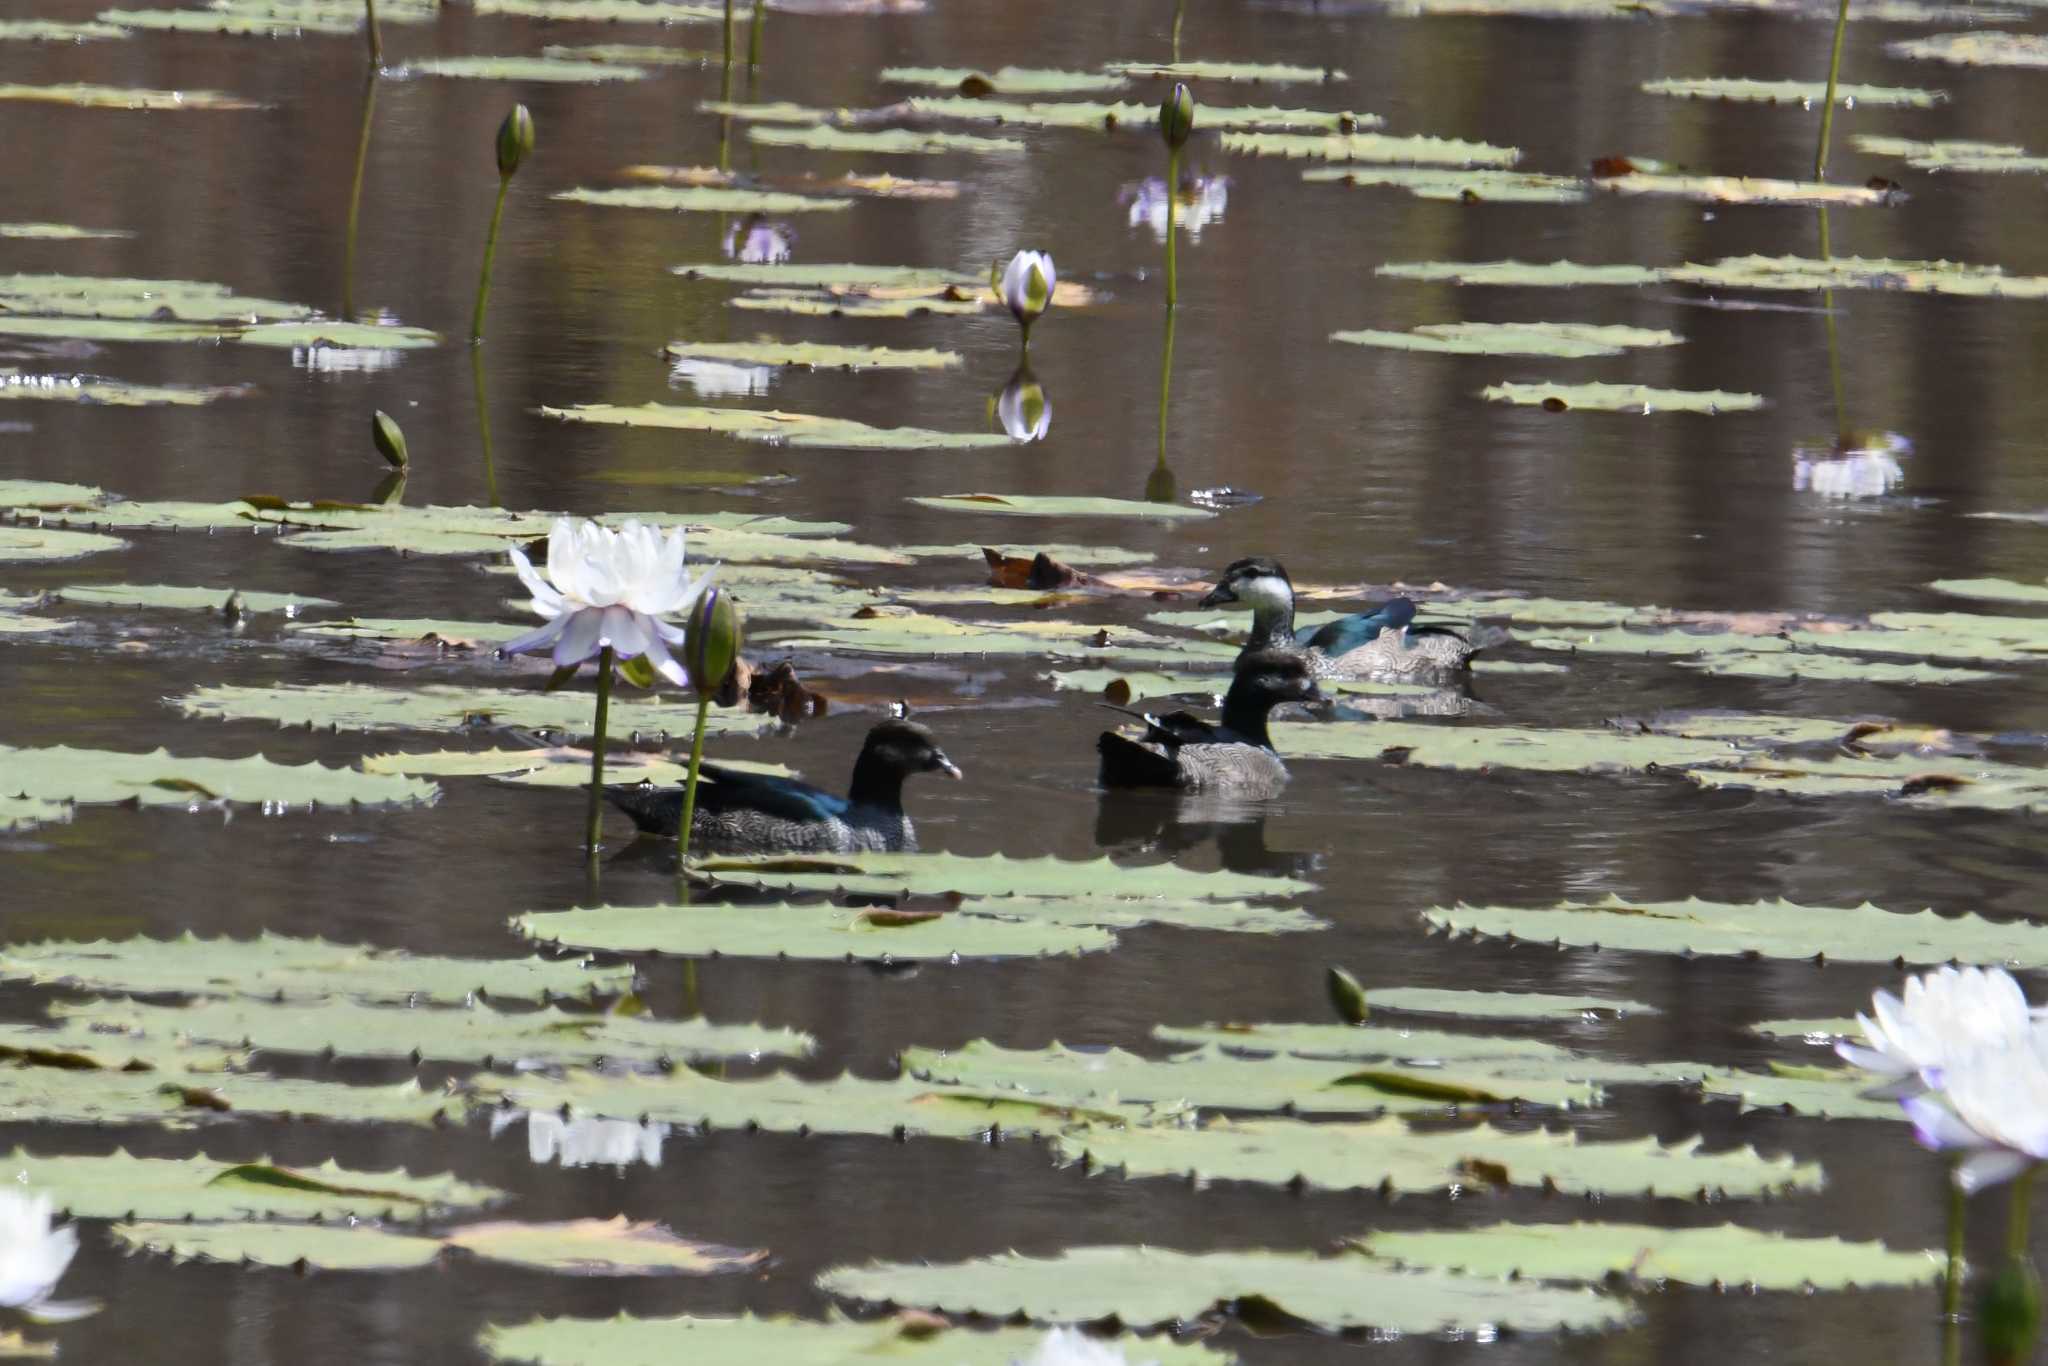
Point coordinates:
pixel 1938 1127
pixel 665 663
pixel 579 637
pixel 1989 1167
pixel 546 600
pixel 536 640
pixel 625 631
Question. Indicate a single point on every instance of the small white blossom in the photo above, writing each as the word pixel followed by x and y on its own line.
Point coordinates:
pixel 1027 285
pixel 609 588
pixel 1992 1111
pixel 33 1257
pixel 1946 1016
pixel 1072 1347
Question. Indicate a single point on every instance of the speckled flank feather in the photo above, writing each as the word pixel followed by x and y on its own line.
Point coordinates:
pixel 1380 644
pixel 1239 769
pixel 1396 655
pixel 1234 756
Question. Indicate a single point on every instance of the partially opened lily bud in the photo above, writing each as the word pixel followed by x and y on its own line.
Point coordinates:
pixel 1177 116
pixel 711 640
pixel 389 440
pixel 1347 997
pixel 515 139
pixel 1027 284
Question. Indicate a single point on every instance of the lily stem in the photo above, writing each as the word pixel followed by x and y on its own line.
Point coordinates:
pixel 604 706
pixel 2022 1206
pixel 729 32
pixel 690 783
pixel 760 21
pixel 1952 1287
pixel 483 424
pixel 1180 12
pixel 1827 113
pixel 483 284
pixel 355 196
pixel 1172 204
pixel 376 35
pixel 1165 383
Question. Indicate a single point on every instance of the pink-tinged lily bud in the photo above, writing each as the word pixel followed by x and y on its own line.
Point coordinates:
pixel 1027 285
pixel 1177 116
pixel 389 440
pixel 711 640
pixel 515 139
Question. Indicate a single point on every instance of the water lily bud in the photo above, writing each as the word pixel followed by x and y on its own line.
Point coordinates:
pixel 1027 284
pixel 515 139
pixel 1177 116
pixel 1347 996
pixel 2011 1313
pixel 711 640
pixel 388 439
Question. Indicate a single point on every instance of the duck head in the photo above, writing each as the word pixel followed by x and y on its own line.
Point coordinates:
pixel 905 747
pixel 1262 585
pixel 1266 679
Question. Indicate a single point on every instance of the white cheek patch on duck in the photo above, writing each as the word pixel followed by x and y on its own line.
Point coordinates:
pixel 1266 593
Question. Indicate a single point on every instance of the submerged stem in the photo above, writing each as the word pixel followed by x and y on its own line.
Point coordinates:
pixel 728 33
pixel 1172 205
pixel 1180 11
pixel 690 785
pixel 483 424
pixel 1952 1285
pixel 2022 1207
pixel 355 199
pixel 483 284
pixel 376 35
pixel 1159 488
pixel 1827 113
pixel 604 706
pixel 760 21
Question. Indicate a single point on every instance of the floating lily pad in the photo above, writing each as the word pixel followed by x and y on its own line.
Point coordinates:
pixel 814 931
pixel 1993 590
pixel 1953 156
pixel 94 296
pixel 453 634
pixel 1812 664
pixel 746 1341
pixel 876 186
pixel 1975 49
pixel 1370 147
pixel 275 966
pixel 115 393
pixel 358 706
pixel 1399 1044
pixel 120 1186
pixel 1481 185
pixel 1724 189
pixel 1565 341
pixel 1816 1092
pixel 1388 1155
pixel 357 1247
pixel 123 97
pixel 777 428
pixel 804 276
pixel 473 1035
pixel 1084 114
pixel 1940 780
pixel 1427 745
pixel 1805 94
pixel 1260 73
pixel 816 355
pixel 1621 398
pixel 1039 505
pixel 1773 929
pixel 559 767
pixel 1498 1005
pixel 160 778
pixel 1743 272
pixel 1009 80
pixel 995 876
pixel 57 232
pixel 548 70
pixel 338 336
pixel 1718 1255
pixel 601 1247
pixel 862 303
pixel 54 31
pixel 610 11
pixel 20 813
pixel 181 1099
pixel 698 198
pixel 182 599
pixel 630 54
pixel 1552 274
pixel 878 631
pixel 20 544
pixel 1147 1286
pixel 880 141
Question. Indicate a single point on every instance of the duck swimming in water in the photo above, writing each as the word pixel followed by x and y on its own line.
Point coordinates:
pixel 1381 643
pixel 740 812
pixel 1236 757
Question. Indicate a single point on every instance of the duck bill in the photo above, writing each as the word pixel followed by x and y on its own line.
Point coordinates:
pixel 1218 596
pixel 946 767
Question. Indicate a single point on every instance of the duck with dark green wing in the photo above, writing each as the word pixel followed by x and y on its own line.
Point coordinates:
pixel 740 812
pixel 1235 757
pixel 1383 643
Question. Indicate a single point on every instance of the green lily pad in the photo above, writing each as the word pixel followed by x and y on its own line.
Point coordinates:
pixel 872 185
pixel 777 428
pixel 1717 1255
pixel 275 966
pixel 21 544
pixel 1147 1286
pixel 819 303
pixel 1259 73
pixel 115 393
pixel 1009 80
pixel 559 767
pixel 1773 929
pixel 611 11
pixel 1086 114
pixel 1724 189
pixel 160 778
pixel 697 198
pixel 454 634
pixel 879 631
pixel 122 97
pixel 182 1099
pixel 815 355
pixel 58 232
pixel 1498 1005
pixel 1812 664
pixel 797 275
pixel 300 1246
pixel 1565 341
pixel 1466 747
pixel 1398 1044
pixel 1953 156
pixel 994 876
pixel 815 931
pixel 630 54
pixel 358 706
pixel 473 1035
pixel 94 296
pixel 54 31
pixel 1805 94
pixel 122 1186
pixel 1482 185
pixel 1743 272
pixel 880 141
pixel 338 336
pixel 1371 147
pixel 1993 590
pixel 548 70
pixel 1815 1092
pixel 1388 1155
pixel 176 598
pixel 1975 49
pixel 22 813
pixel 1039 505
pixel 1621 398
pixel 1520 274
pixel 746 1341
pixel 1940 780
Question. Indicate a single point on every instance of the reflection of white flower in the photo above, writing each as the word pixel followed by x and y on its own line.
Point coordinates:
pixel 586 1141
pixel 33 1257
pixel 606 587
pixel 721 379
pixel 338 360
pixel 1072 1347
pixel 1946 1016
pixel 1023 408
pixel 1027 285
pixel 1866 468
pixel 1202 202
pixel 1992 1111
pixel 757 242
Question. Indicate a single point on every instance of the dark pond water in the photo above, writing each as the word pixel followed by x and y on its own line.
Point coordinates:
pixel 1374 466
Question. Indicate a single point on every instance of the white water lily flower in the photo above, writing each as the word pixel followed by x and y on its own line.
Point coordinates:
pixel 606 587
pixel 1072 1347
pixel 1992 1112
pixel 1027 285
pixel 33 1257
pixel 1947 1015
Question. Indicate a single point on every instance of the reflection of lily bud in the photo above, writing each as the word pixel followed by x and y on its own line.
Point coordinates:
pixel 1202 202
pixel 757 242
pixel 1864 466
pixel 1023 408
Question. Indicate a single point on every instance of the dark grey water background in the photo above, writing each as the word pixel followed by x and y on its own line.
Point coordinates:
pixel 1375 466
